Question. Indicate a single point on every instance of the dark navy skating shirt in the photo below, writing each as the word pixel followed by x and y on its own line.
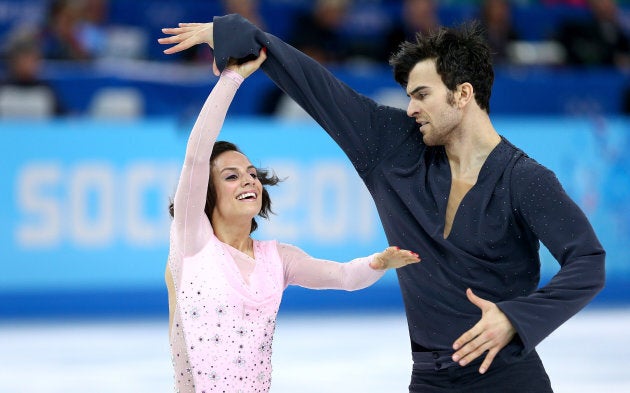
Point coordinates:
pixel 493 246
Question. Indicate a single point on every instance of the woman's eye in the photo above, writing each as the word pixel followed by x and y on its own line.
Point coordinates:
pixel 254 175
pixel 231 177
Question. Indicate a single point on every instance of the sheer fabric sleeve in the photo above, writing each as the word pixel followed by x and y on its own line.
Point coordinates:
pixel 303 270
pixel 191 225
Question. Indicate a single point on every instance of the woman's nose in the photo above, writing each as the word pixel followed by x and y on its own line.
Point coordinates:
pixel 247 180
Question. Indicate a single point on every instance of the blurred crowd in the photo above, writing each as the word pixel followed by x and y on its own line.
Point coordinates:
pixel 585 34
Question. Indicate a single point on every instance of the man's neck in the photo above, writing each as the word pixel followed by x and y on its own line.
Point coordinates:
pixel 468 152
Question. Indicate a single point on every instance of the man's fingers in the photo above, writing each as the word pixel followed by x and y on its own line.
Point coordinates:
pixel 476 300
pixel 472 349
pixel 464 345
pixel 466 338
pixel 487 361
pixel 470 352
pixel 489 335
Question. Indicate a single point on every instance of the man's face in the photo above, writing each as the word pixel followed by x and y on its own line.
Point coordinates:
pixel 432 104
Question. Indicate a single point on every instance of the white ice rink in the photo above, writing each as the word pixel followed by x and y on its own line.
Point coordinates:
pixel 357 353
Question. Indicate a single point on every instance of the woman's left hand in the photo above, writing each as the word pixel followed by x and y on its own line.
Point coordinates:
pixel 248 68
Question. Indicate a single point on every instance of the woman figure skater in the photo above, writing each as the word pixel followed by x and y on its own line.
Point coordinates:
pixel 224 287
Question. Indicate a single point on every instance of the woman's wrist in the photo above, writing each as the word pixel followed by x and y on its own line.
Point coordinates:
pixel 233 75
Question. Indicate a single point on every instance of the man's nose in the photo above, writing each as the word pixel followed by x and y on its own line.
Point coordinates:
pixel 412 109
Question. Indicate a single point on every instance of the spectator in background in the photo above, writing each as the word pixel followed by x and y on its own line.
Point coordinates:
pixel 92 26
pixel 575 3
pixel 417 16
pixel 23 93
pixel 61 35
pixel 600 40
pixel 249 9
pixel 318 32
pixel 496 18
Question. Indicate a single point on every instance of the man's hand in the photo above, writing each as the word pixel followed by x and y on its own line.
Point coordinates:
pixel 393 258
pixel 188 35
pixel 493 332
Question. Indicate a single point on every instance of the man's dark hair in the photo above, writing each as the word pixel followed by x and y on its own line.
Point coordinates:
pixel 461 55
pixel 266 177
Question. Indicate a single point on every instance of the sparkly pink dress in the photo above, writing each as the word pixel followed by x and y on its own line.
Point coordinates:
pixel 227 302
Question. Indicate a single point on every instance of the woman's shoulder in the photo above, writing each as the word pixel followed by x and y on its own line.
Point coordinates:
pixel 290 250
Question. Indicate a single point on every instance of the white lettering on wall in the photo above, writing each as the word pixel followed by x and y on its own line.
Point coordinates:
pixel 141 179
pixel 91 204
pixel 325 203
pixel 97 205
pixel 41 225
pixel 330 204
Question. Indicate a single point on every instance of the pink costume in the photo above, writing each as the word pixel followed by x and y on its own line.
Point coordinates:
pixel 227 302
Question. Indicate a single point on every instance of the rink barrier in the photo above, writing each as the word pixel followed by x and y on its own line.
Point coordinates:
pixel 85 224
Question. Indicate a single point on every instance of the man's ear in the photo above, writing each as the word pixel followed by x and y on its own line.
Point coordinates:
pixel 466 93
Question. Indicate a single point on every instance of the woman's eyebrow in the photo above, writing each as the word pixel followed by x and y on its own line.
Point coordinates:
pixel 233 168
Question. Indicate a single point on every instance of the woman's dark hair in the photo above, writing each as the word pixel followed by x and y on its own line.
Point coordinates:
pixel 461 55
pixel 266 177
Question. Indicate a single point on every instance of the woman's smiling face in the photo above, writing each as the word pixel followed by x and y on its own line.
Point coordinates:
pixel 238 189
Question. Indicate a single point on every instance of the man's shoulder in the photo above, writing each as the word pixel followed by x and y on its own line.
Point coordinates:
pixel 527 172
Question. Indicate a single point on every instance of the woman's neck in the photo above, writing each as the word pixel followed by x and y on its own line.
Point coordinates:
pixel 244 245
pixel 237 236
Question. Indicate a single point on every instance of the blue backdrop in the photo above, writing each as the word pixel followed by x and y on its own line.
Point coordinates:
pixel 84 217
